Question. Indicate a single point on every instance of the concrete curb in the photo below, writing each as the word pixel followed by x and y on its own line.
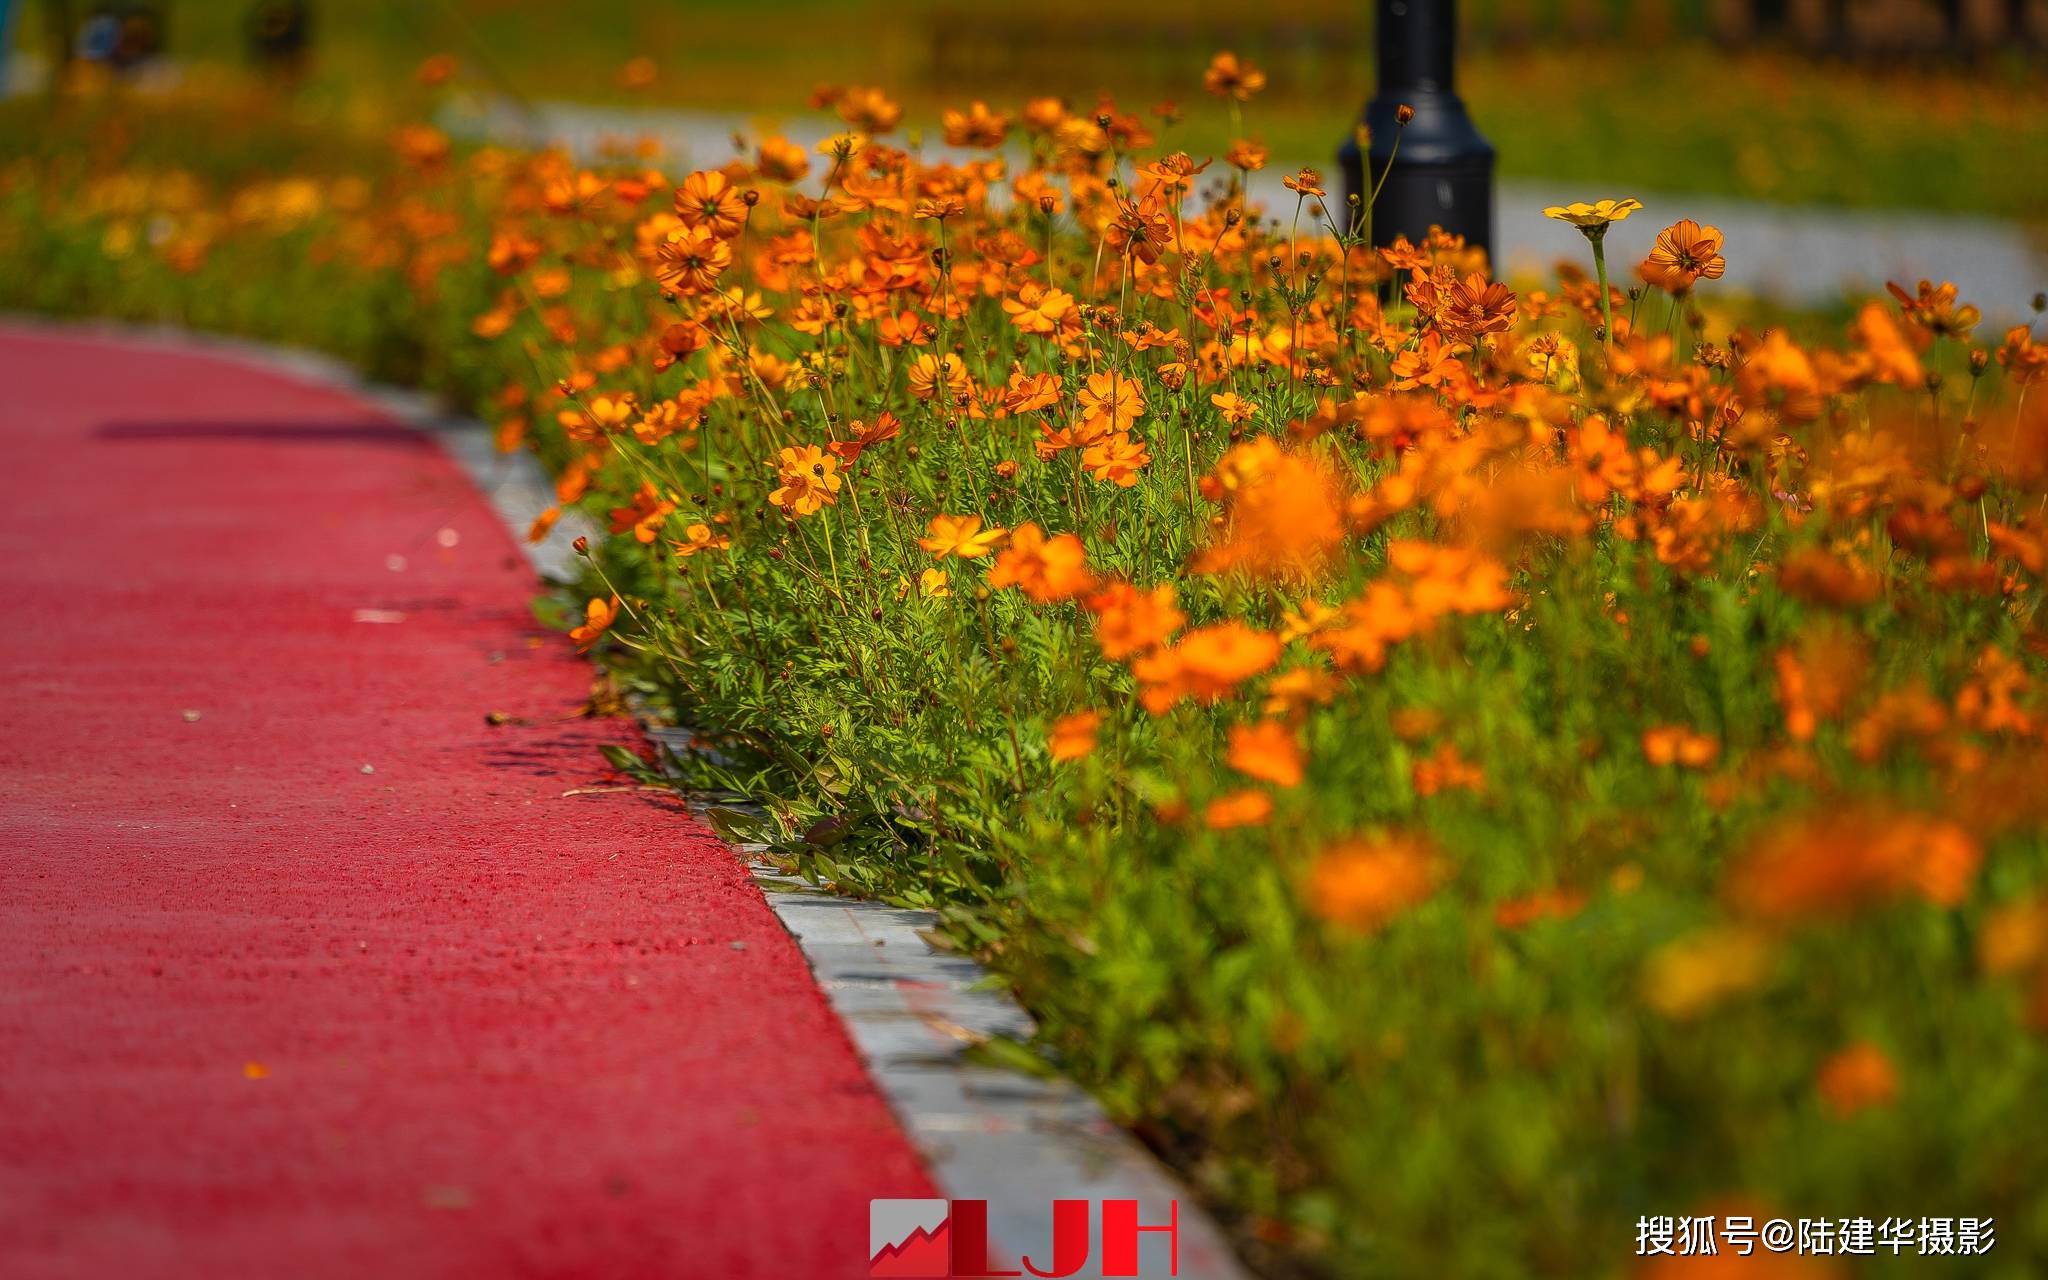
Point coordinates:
pixel 913 1011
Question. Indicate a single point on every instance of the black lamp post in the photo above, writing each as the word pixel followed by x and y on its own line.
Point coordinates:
pixel 279 32
pixel 1443 172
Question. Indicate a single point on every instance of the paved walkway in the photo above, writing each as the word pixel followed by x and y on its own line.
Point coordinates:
pixel 305 968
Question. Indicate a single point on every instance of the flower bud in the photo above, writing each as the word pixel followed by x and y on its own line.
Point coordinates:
pixel 1403 114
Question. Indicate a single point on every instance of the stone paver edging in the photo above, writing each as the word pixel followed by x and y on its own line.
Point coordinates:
pixel 912 1010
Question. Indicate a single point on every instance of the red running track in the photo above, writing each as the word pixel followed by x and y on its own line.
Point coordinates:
pixel 493 1031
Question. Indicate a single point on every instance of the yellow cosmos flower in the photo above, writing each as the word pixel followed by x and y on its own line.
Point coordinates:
pixel 1594 217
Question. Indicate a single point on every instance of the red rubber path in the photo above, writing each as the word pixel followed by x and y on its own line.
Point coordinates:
pixel 493 1031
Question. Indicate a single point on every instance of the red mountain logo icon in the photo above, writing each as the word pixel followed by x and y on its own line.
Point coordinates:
pixel 924 1254
pixel 910 1238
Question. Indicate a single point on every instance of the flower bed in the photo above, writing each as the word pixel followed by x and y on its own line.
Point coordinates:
pixel 1457 767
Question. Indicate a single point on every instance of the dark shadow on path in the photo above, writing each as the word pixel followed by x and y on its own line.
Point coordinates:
pixel 338 432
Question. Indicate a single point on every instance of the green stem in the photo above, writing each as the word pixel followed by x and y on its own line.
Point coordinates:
pixel 1600 268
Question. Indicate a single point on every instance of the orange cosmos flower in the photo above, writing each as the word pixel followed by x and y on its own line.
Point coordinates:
pixel 1028 392
pixel 699 537
pixel 2015 938
pixel 708 199
pixel 869 110
pixel 905 329
pixel 1043 115
pixel 1814 575
pixel 1293 692
pixel 960 536
pixel 1206 665
pixel 1431 364
pixel 1234 408
pixel 810 480
pixel 782 160
pixel 1450 579
pixel 1403 256
pixel 692 259
pixel 1045 569
pixel 543 524
pixel 1227 77
pixel 1306 619
pixel 438 69
pixel 1553 904
pixel 1284 513
pixel 938 375
pixel 1363 884
pixel 1246 154
pixel 613 411
pixel 1933 307
pixel 1446 770
pixel 2022 358
pixel 1856 1078
pixel 1840 860
pixel 645 517
pixel 885 428
pixel 1675 744
pixel 1685 253
pixel 1034 190
pixel 663 420
pixel 1111 402
pixel 1990 702
pixel 1140 231
pixel 1037 309
pixel 576 193
pixel 975 127
pixel 1129 621
pixel 1477 306
pixel 1778 373
pixel 639 73
pixel 1116 459
pixel 801 208
pixel 1053 441
pixel 1172 175
pixel 1267 751
pixel 422 146
pixel 1306 182
pixel 598 616
pixel 1073 736
pixel 1238 809
pixel 940 207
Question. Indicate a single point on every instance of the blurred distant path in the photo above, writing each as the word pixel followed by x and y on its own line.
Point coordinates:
pixel 1793 254
pixel 307 968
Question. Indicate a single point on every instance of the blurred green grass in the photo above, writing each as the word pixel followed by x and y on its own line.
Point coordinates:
pixel 1634 112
